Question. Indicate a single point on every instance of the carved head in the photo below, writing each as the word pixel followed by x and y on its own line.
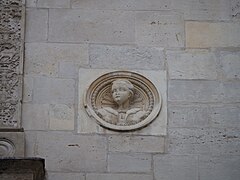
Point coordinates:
pixel 122 91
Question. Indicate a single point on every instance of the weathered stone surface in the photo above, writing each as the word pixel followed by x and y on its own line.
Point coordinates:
pixel 66 152
pixel 235 6
pixel 126 57
pixel 124 143
pixel 31 3
pixel 53 3
pixel 129 162
pixel 119 177
pixel 225 116
pixel 209 34
pixel 195 91
pixel 44 58
pixel 12 24
pixel 124 4
pixel 27 89
pixel 53 90
pixel 67 25
pixel 12 144
pixel 36 25
pixel 61 117
pixel 68 70
pixel 184 141
pixel 219 167
pixel 88 125
pixel 188 116
pixel 231 91
pixel 30 143
pixel 198 64
pixel 159 29
pixel 230 64
pixel 65 176
pixel 35 116
pixel 203 9
pixel 169 167
pixel 225 142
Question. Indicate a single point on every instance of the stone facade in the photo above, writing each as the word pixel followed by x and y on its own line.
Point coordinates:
pixel 197 44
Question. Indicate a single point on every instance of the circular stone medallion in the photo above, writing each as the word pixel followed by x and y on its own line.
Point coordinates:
pixel 123 100
pixel 7 148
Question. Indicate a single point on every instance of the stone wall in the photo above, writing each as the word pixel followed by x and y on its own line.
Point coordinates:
pixel 196 41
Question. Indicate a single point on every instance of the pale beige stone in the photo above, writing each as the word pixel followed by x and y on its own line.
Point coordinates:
pixel 35 116
pixel 98 176
pixel 197 64
pixel 67 25
pixel 123 4
pixel 203 9
pixel 133 162
pixel 27 88
pixel 44 58
pixel 159 29
pixel 65 176
pixel 209 34
pixel 36 25
pixel 61 117
pixel 53 3
pixel 67 152
pixel 89 125
pixel 129 143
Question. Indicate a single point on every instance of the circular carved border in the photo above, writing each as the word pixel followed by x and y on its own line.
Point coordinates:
pixel 7 148
pixel 146 95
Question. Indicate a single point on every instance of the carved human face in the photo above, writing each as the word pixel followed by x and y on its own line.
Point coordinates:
pixel 120 93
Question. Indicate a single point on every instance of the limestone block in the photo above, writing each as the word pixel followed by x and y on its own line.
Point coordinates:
pixel 44 58
pixel 184 141
pixel 225 116
pixel 219 167
pixel 204 9
pixel 129 162
pixel 30 143
pixel 212 34
pixel 96 26
pixel 231 91
pixel 35 116
pixel 27 88
pixel 114 176
pixel 188 116
pixel 195 91
pixel 53 3
pixel 225 142
pixel 89 125
pixel 53 90
pixel 169 167
pixel 36 25
pixel 159 29
pixel 68 70
pixel 126 57
pixel 31 3
pixel 199 64
pixel 123 4
pixel 66 152
pixel 148 144
pixel 61 117
pixel 235 6
pixel 230 64
pixel 65 176
pixel 12 144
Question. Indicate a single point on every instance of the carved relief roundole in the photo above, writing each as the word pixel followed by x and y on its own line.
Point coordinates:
pixel 122 100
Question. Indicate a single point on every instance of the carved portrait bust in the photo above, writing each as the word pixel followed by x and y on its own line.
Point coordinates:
pixel 122 100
